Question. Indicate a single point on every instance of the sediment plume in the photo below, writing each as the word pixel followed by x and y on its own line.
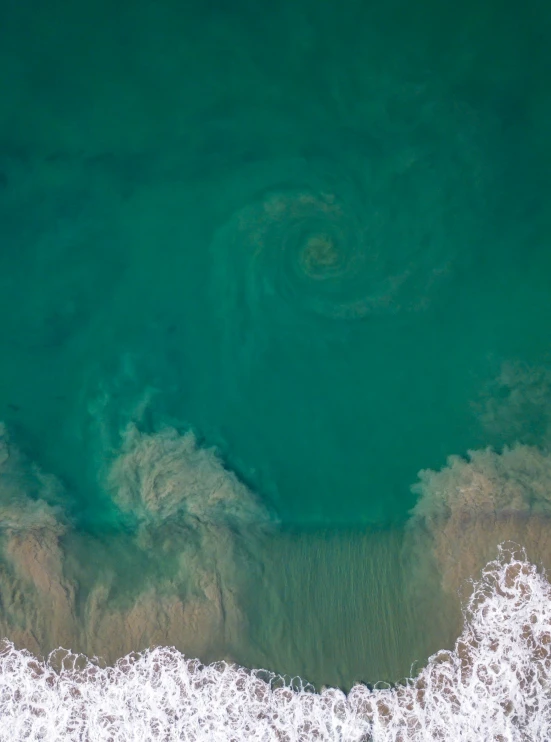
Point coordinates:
pixel 471 506
pixel 62 588
pixel 514 407
pixel 167 475
pixel 494 685
pixel 198 564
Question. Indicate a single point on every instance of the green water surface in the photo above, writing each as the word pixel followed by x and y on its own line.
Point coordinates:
pixel 311 231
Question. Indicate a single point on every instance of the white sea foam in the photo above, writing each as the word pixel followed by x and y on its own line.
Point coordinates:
pixel 493 686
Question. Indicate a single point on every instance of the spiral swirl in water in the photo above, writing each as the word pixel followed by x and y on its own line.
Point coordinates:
pixel 308 252
pixel 330 248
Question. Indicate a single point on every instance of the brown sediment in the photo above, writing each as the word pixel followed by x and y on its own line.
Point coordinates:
pixel 472 505
pixel 206 576
pixel 319 252
pixel 152 620
pixel 189 511
pixel 37 561
pixel 160 476
pixel 285 207
pixel 515 406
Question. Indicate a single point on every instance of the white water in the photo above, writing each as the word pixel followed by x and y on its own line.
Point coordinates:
pixel 494 686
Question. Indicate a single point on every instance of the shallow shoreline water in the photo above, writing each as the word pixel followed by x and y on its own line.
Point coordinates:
pixel 493 685
pixel 258 266
pixel 196 560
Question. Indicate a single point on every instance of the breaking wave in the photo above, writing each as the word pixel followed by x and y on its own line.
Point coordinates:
pixel 475 503
pixel 197 538
pixel 493 685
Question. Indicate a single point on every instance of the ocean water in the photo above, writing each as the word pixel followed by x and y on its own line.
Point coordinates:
pixel 491 685
pixel 275 373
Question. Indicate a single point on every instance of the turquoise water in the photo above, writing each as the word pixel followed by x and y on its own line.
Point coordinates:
pixel 315 234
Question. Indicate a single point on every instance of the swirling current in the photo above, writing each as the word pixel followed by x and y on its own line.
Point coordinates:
pixel 275 374
pixel 332 247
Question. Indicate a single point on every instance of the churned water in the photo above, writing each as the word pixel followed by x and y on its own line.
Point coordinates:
pixel 275 374
pixel 494 684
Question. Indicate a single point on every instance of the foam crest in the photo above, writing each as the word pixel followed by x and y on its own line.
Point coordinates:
pixel 493 685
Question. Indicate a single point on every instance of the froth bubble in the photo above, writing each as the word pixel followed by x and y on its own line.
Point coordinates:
pixel 493 685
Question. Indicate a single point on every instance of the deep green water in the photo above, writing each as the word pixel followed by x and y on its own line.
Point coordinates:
pixel 313 232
